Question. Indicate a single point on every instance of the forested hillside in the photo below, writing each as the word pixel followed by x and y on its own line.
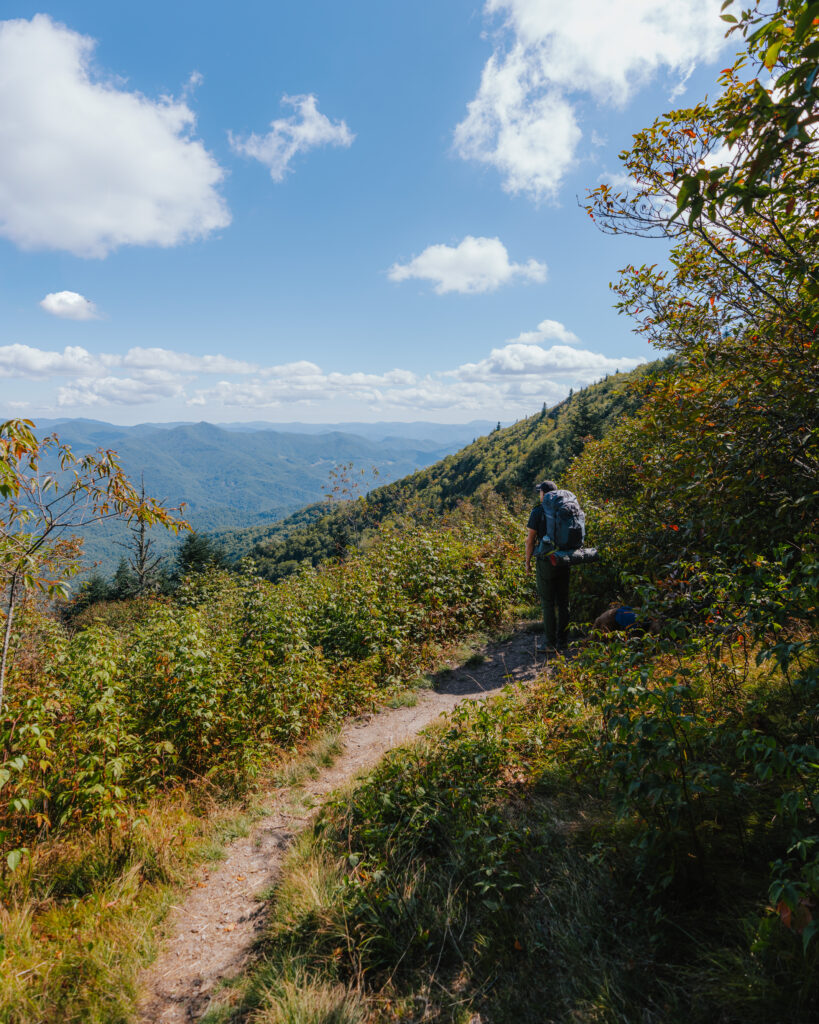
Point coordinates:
pixel 229 478
pixel 508 461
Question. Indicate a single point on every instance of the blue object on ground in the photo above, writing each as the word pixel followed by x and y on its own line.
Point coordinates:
pixel 625 617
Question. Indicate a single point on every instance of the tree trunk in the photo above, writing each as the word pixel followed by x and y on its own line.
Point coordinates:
pixel 7 638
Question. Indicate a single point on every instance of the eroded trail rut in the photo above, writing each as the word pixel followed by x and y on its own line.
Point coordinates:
pixel 210 934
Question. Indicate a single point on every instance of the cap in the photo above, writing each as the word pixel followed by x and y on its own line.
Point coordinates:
pixel 546 485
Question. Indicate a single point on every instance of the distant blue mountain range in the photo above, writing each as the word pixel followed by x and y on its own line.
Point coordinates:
pixel 235 475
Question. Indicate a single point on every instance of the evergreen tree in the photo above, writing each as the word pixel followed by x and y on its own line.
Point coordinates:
pixel 198 552
pixel 92 591
pixel 123 584
pixel 582 423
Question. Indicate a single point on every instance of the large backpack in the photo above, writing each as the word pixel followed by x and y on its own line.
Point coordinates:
pixel 565 522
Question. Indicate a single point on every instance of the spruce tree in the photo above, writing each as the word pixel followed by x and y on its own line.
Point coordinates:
pixel 124 584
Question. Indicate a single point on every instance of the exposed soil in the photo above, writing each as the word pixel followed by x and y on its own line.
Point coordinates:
pixel 210 934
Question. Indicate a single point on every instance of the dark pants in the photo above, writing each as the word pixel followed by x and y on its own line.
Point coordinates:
pixel 553 589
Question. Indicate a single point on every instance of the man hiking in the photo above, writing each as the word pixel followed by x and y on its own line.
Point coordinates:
pixel 552 580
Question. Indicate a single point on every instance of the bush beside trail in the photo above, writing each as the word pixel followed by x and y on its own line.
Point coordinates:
pixel 228 673
pixel 595 847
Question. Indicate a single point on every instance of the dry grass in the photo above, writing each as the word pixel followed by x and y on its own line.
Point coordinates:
pixel 306 1001
pixel 321 753
pixel 81 922
pixel 77 929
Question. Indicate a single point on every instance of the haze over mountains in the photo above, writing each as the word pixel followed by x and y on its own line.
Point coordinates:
pixel 236 475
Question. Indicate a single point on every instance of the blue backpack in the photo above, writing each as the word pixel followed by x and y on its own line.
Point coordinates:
pixel 565 523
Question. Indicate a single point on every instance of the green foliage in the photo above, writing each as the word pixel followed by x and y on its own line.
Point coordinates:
pixel 767 125
pixel 431 851
pixel 231 670
pixel 477 866
pixel 198 552
pixel 508 461
pixel 707 500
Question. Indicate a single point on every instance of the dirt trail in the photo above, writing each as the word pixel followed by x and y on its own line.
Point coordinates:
pixel 211 933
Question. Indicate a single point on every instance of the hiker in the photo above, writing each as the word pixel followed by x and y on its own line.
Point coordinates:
pixel 552 580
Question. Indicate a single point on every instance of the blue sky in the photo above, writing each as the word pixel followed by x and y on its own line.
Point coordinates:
pixel 321 211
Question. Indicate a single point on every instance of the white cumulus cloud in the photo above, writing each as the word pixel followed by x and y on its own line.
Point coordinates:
pixel 69 306
pixel 474 265
pixel 288 136
pixel 550 55
pixel 26 361
pixel 547 330
pixel 533 361
pixel 88 166
pixel 116 391
pixel 512 380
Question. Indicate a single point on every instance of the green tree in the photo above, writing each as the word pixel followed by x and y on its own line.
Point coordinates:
pixel 198 552
pixel 738 418
pixel 124 583
pixel 762 126
pixel 737 178
pixel 95 589
pixel 582 422
pixel 48 493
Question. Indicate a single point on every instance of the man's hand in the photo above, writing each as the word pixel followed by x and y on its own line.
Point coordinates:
pixel 531 541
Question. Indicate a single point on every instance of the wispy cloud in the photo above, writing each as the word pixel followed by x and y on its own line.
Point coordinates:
pixel 289 136
pixel 549 56
pixel 474 265
pixel 117 391
pixel 87 165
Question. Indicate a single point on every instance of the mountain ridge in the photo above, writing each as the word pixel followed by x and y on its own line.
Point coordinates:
pixel 231 479
pixel 507 460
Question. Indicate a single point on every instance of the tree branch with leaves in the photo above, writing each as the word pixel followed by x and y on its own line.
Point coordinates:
pixel 47 493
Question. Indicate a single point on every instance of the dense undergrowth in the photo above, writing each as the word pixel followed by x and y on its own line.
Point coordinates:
pixel 596 848
pixel 116 733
